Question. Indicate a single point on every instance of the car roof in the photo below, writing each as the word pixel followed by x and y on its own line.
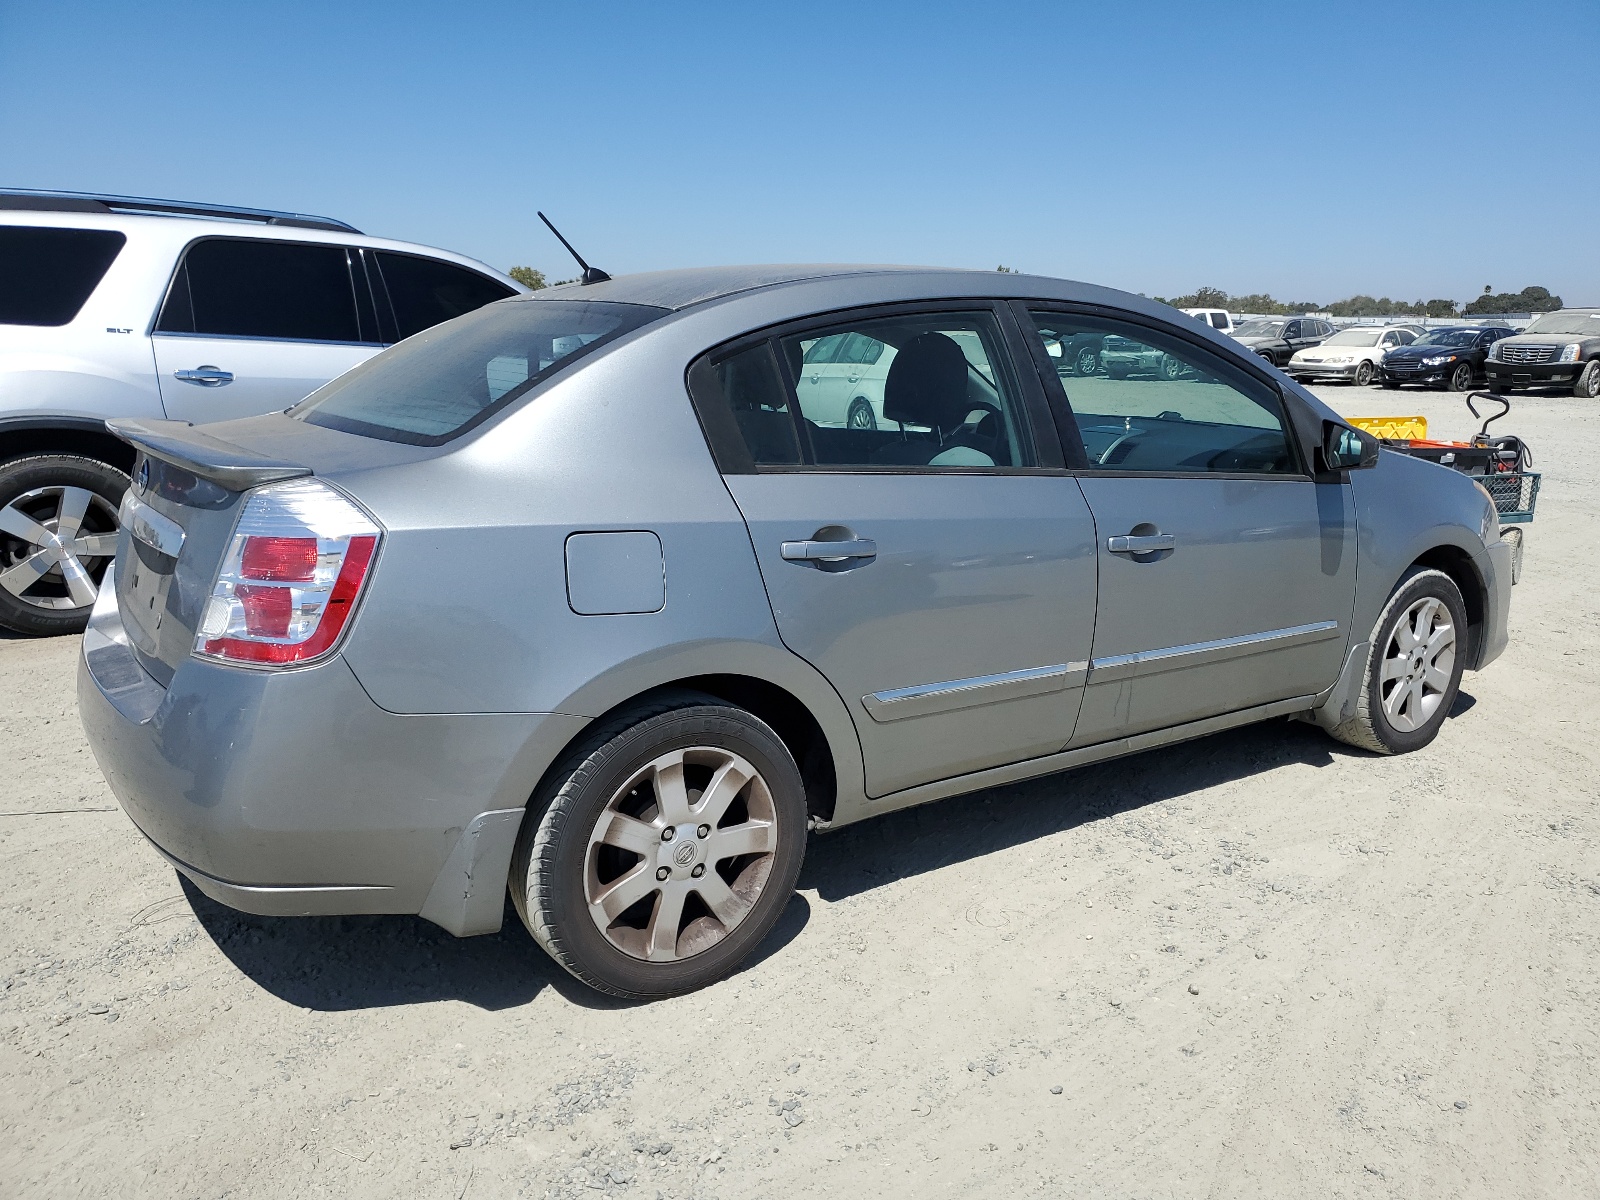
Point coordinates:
pixel 685 288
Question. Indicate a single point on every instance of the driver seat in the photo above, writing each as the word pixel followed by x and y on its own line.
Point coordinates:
pixel 927 385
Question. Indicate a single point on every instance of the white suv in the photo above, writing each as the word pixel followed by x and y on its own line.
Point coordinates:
pixel 112 306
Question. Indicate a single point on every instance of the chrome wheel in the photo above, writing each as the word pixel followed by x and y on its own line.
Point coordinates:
pixel 1086 361
pixel 680 854
pixel 1418 665
pixel 56 543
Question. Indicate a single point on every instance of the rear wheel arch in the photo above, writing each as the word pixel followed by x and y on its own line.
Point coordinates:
pixel 77 437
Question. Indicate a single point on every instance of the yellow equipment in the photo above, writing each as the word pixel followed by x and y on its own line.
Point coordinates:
pixel 1397 428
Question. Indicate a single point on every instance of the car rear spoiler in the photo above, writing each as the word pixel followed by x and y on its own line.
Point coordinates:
pixel 179 442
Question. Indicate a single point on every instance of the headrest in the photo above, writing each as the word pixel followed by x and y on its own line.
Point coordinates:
pixel 927 383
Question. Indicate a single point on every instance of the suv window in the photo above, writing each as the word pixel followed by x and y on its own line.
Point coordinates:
pixel 425 291
pixel 46 273
pixel 246 287
pixel 1164 405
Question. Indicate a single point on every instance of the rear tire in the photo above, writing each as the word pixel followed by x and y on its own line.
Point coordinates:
pixel 611 820
pixel 48 588
pixel 861 415
pixel 1086 361
pixel 1410 685
pixel 1513 535
pixel 1587 385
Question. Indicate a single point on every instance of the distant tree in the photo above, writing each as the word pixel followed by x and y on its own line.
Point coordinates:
pixel 1529 300
pixel 529 277
pixel 1440 308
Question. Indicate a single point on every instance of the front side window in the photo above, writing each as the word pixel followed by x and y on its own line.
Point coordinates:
pixel 1219 320
pixel 47 273
pixel 250 288
pixel 931 391
pixel 446 380
pixel 1168 407
pixel 425 291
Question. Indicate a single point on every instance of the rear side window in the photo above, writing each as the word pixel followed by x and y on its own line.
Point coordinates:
pixel 425 291
pixel 46 274
pixel 448 379
pixel 238 287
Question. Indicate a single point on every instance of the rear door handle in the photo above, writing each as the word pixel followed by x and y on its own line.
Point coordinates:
pixel 206 376
pixel 1127 543
pixel 806 552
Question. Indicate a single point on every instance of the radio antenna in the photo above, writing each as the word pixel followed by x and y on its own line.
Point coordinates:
pixel 590 274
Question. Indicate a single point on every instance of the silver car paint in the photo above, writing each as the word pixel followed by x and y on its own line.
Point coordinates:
pixel 467 671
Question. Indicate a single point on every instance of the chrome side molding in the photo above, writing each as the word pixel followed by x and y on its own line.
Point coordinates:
pixel 1176 658
pixel 931 698
pixel 161 534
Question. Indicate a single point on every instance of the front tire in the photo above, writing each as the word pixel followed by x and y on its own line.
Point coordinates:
pixel 1363 375
pixel 58 533
pixel 1587 385
pixel 1414 664
pixel 1461 378
pixel 1086 361
pixel 664 849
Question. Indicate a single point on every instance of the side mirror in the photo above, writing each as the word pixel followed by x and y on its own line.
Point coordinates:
pixel 1347 449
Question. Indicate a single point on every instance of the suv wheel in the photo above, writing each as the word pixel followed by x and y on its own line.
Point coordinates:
pixel 667 848
pixel 1587 385
pixel 58 533
pixel 1418 650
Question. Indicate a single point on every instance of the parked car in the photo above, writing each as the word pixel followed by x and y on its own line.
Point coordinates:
pixel 617 626
pixel 1076 354
pixel 1557 348
pixel 1450 358
pixel 112 306
pixel 1277 338
pixel 1217 318
pixel 1351 355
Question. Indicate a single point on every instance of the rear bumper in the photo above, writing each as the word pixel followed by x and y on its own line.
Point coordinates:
pixel 1497 607
pixel 292 793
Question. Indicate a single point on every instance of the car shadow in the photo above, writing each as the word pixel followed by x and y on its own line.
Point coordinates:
pixel 335 964
pixel 917 840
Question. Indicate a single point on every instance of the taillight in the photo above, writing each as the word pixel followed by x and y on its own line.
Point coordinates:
pixel 293 573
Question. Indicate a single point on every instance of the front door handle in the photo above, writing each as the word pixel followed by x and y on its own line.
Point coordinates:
pixel 207 376
pixel 815 552
pixel 1128 543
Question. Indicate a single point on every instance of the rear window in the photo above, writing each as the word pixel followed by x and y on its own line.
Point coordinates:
pixel 46 273
pixel 442 382
pixel 425 291
pixel 251 288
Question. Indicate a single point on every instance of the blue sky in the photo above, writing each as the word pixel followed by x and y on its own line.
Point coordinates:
pixel 1309 150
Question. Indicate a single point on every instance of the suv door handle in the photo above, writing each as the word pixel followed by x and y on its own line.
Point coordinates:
pixel 206 376
pixel 1127 543
pixel 811 552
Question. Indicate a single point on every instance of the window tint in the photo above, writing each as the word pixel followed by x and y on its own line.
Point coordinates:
pixel 248 288
pixel 1219 320
pixel 753 388
pixel 425 291
pixel 1159 404
pixel 1294 329
pixel 448 379
pixel 46 274
pixel 927 391
pixel 1406 337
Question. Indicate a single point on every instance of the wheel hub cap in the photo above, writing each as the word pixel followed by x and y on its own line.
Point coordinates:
pixel 54 545
pixel 680 854
pixel 1418 665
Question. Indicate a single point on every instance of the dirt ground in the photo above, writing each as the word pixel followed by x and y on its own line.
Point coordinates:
pixel 1257 965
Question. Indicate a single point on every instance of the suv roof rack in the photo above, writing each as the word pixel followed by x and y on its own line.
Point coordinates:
pixel 41 201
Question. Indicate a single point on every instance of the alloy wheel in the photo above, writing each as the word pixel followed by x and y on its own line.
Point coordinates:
pixel 1086 361
pixel 680 854
pixel 56 543
pixel 861 416
pixel 1418 664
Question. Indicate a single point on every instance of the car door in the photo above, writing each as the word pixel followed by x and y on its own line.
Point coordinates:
pixel 1227 574
pixel 939 570
pixel 251 326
